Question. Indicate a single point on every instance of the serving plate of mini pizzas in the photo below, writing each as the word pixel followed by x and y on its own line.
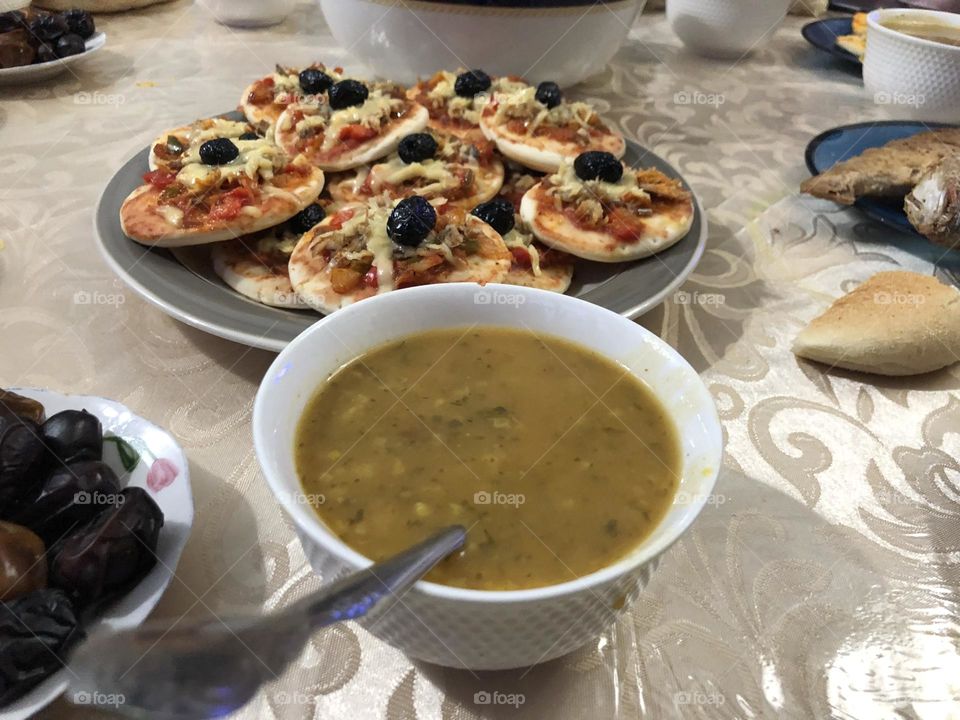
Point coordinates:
pixel 323 190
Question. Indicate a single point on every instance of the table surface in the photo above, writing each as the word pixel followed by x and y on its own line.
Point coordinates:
pixel 735 624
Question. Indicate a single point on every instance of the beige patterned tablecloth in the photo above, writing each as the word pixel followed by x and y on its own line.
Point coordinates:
pixel 822 581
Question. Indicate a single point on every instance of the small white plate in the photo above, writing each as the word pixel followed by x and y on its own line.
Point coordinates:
pixel 44 71
pixel 161 468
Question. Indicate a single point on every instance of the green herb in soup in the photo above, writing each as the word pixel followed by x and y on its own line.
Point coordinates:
pixel 556 460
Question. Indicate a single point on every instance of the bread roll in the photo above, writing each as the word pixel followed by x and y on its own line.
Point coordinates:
pixel 896 323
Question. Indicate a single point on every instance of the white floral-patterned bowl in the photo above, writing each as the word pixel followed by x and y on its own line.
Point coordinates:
pixel 563 40
pixel 479 629
pixel 143 455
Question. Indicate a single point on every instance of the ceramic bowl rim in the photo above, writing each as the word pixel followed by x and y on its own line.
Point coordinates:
pixel 874 18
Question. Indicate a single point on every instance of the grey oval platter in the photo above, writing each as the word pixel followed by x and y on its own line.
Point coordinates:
pixel 191 292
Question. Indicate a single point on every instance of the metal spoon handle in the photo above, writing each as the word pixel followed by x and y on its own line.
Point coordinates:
pixel 208 669
pixel 360 593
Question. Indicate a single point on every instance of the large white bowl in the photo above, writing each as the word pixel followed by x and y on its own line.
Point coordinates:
pixel 413 39
pixel 486 630
pixel 911 76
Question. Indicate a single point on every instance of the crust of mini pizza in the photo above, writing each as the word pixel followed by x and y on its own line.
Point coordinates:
pixel 236 263
pixel 141 221
pixel 489 180
pixel 310 271
pixel 668 224
pixel 370 151
pixel 543 153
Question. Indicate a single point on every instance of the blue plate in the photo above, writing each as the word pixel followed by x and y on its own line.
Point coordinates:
pixel 823 35
pixel 842 143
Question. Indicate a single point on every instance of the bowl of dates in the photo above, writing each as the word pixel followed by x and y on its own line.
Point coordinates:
pixel 95 509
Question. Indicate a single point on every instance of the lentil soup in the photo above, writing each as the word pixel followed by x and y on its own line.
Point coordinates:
pixel 557 461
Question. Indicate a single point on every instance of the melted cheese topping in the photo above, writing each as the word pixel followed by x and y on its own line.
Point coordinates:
pixel 523 105
pixel 468 109
pixel 256 159
pixel 216 127
pixel 396 172
pixel 567 187
pixel 373 113
pixel 521 238
pixel 172 215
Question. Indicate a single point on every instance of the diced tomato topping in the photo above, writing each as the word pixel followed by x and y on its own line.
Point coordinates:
pixel 624 225
pixel 371 279
pixel 357 133
pixel 521 256
pixel 296 169
pixel 336 221
pixel 160 178
pixel 228 206
pixel 262 92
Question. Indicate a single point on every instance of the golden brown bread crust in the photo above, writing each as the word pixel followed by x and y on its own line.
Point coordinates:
pixel 895 323
pixel 891 170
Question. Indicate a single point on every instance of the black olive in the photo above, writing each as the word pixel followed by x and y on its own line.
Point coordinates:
pixel 497 213
pixel 218 151
pixel 471 82
pixel 12 20
pixel 347 93
pixel 249 136
pixel 307 218
pixel 314 81
pixel 598 165
pixel 45 53
pixel 70 44
pixel 417 148
pixel 549 94
pixel 70 497
pixel 411 221
pixel 36 632
pixel 80 22
pixel 47 28
pixel 73 435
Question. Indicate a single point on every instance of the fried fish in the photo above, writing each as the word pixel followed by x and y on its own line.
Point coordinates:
pixel 888 171
pixel 933 206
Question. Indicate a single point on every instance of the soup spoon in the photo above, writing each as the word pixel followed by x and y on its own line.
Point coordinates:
pixel 209 669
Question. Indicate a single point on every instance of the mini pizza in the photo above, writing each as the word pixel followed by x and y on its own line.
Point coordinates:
pixel 532 264
pixel 454 101
pixel 223 189
pixel 366 249
pixel 429 165
pixel 598 210
pixel 257 266
pixel 358 124
pixel 265 99
pixel 537 128
pixel 169 148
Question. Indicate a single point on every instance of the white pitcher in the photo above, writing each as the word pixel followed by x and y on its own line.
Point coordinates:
pixel 725 28
pixel 250 13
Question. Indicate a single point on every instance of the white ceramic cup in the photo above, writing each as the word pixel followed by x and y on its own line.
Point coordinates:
pixel 476 629
pixel 250 13
pixel 910 76
pixel 725 28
